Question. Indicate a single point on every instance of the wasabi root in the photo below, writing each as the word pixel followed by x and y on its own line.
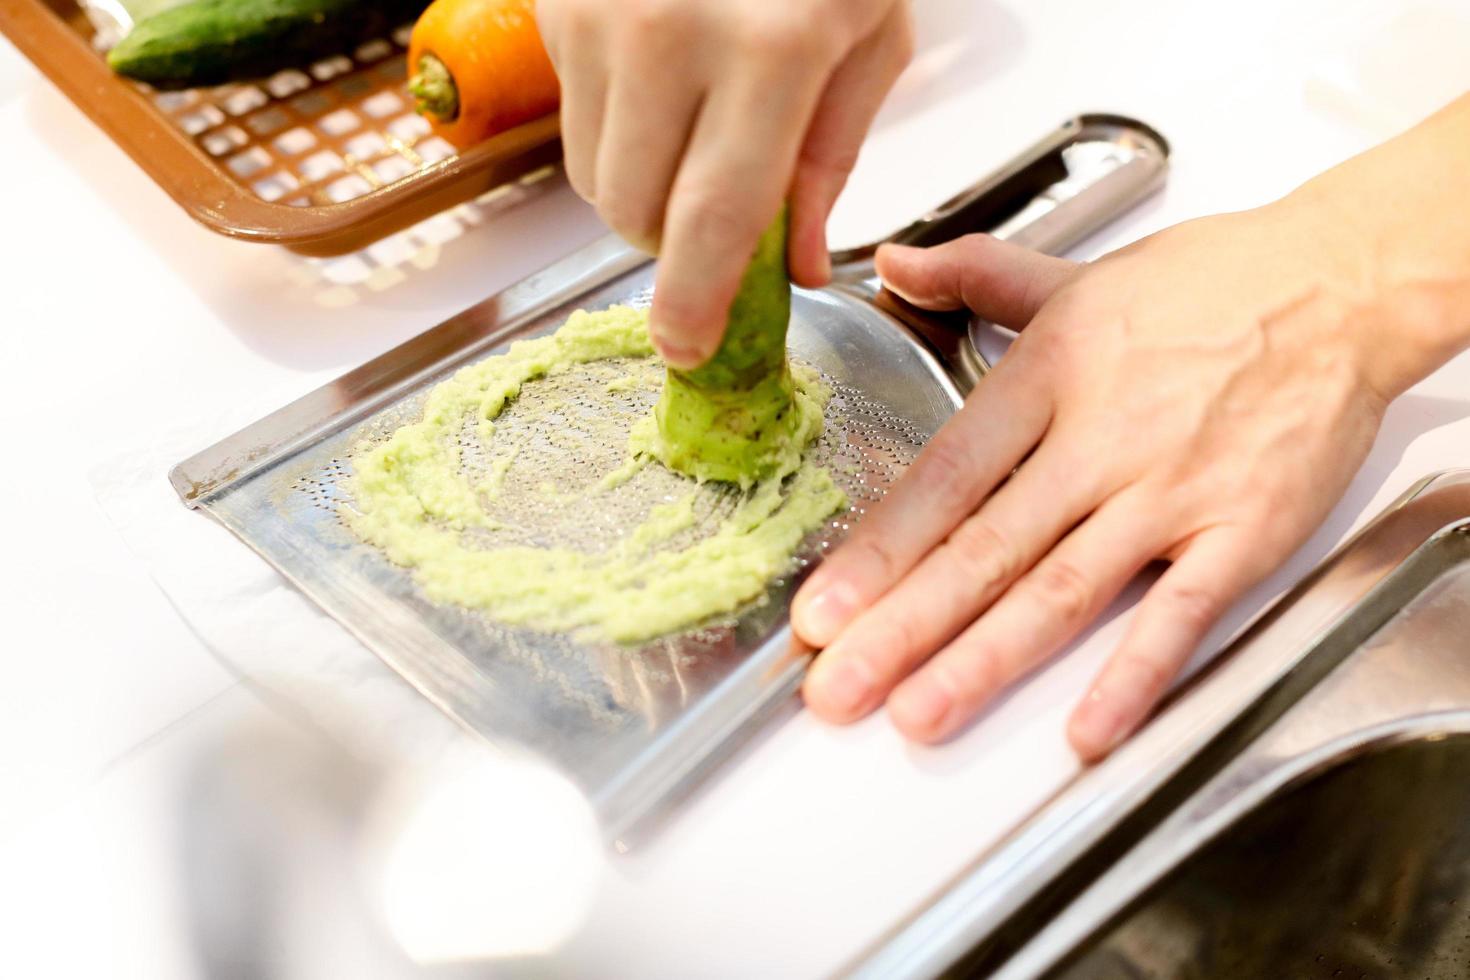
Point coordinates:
pixel 738 417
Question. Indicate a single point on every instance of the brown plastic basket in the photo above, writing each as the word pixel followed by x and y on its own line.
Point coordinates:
pixel 324 159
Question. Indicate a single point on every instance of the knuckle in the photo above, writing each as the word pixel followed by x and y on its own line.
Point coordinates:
pixel 830 157
pixel 1144 675
pixel 899 638
pixel 947 465
pixel 651 17
pixel 985 555
pixel 579 17
pixel 1195 607
pixel 979 676
pixel 872 550
pixel 629 216
pixel 684 308
pixel 1063 588
pixel 714 221
pixel 773 35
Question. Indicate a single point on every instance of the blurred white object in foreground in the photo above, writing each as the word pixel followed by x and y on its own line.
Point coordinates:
pixel 483 856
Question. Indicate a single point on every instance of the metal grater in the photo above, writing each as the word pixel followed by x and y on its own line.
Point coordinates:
pixel 636 729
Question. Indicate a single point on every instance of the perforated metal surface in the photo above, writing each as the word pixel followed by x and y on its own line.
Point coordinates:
pixel 563 435
pixel 628 725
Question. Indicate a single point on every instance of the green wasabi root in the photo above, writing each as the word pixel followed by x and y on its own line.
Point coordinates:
pixel 736 417
pixel 737 436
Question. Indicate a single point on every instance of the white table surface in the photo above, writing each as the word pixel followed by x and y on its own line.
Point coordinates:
pixel 119 318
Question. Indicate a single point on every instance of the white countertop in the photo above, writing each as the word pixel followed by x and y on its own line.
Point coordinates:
pixel 120 319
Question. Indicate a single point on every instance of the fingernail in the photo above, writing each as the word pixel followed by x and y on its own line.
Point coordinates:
pixel 845 685
pixel 1097 727
pixel 890 252
pixel 820 618
pixel 920 706
pixel 676 354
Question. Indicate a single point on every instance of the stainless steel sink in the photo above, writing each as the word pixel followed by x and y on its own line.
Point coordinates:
pixel 1361 871
pixel 1301 811
pixel 1338 843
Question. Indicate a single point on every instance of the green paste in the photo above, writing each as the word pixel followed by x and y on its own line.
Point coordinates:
pixel 412 499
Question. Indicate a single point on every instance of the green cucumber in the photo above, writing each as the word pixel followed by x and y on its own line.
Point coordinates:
pixel 210 42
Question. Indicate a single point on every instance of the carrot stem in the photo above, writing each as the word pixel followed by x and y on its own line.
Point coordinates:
pixel 433 89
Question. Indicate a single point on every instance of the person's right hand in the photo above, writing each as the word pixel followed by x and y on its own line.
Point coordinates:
pixel 687 122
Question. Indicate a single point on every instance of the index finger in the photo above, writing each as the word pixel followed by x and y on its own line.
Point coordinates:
pixel 735 173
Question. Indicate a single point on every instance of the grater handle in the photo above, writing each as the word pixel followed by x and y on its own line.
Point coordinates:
pixel 1083 175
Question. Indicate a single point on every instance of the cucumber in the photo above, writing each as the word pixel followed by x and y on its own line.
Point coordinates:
pixel 210 42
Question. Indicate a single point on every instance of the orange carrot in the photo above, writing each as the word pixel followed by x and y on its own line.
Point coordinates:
pixel 478 67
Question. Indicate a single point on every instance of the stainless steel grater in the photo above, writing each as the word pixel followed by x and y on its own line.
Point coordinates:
pixel 636 729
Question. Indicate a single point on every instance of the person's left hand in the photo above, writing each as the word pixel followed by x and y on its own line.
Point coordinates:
pixel 1203 397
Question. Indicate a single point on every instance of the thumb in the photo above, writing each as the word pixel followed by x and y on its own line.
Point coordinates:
pixel 1000 282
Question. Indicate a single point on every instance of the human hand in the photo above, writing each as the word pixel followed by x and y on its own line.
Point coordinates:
pixel 1203 397
pixel 688 122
